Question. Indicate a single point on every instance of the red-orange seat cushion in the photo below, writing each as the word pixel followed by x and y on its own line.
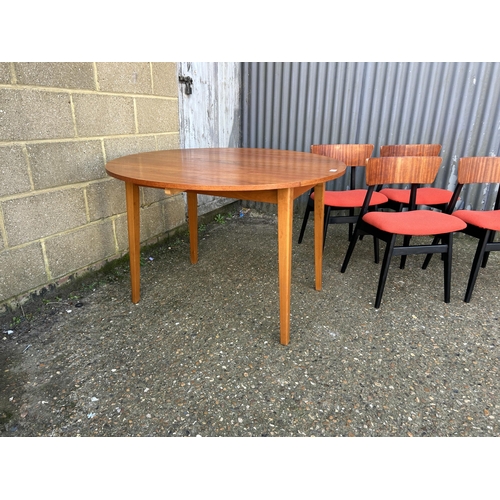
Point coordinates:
pixel 351 198
pixel 486 219
pixel 415 222
pixel 425 195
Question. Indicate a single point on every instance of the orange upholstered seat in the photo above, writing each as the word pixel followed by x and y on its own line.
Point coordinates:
pixel 425 196
pixel 489 219
pixel 414 223
pixel 352 198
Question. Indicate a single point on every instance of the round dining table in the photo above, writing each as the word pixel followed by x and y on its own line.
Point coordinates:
pixel 262 175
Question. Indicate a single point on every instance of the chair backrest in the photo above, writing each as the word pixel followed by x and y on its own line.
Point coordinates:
pixel 402 170
pixel 479 169
pixel 410 150
pixel 476 169
pixel 353 155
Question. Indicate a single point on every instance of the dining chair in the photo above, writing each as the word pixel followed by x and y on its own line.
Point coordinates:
pixel 481 224
pixel 354 156
pixel 387 226
pixel 398 198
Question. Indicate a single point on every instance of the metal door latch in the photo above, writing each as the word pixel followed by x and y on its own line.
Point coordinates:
pixel 188 81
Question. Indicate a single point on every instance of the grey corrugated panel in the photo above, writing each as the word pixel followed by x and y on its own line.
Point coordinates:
pixel 292 105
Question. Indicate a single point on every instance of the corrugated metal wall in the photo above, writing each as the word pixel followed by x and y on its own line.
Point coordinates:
pixel 293 105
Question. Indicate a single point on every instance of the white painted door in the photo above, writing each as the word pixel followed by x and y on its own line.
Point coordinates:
pixel 209 112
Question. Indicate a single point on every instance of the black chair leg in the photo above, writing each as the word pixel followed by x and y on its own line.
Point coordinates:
pixel 428 257
pixel 406 242
pixel 304 222
pixel 476 264
pixel 351 225
pixel 350 249
pixel 326 223
pixel 376 250
pixel 487 254
pixel 384 270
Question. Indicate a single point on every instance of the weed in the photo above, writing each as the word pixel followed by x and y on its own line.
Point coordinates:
pixel 220 219
pixel 15 321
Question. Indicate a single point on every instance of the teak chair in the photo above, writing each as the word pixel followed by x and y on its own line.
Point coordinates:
pixel 354 156
pixel 430 196
pixel 481 224
pixel 399 198
pixel 413 170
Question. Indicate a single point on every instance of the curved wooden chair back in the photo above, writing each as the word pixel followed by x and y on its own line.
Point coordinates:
pixel 479 169
pixel 402 170
pixel 353 155
pixel 410 150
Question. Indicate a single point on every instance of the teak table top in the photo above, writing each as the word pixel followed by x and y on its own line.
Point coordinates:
pixel 225 169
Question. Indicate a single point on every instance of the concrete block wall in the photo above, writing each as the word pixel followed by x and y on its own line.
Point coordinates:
pixel 60 214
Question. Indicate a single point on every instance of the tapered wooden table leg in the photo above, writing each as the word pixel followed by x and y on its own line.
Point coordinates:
pixel 134 243
pixel 319 214
pixel 285 219
pixel 192 201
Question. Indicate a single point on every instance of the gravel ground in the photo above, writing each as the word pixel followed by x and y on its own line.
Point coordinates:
pixel 200 354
